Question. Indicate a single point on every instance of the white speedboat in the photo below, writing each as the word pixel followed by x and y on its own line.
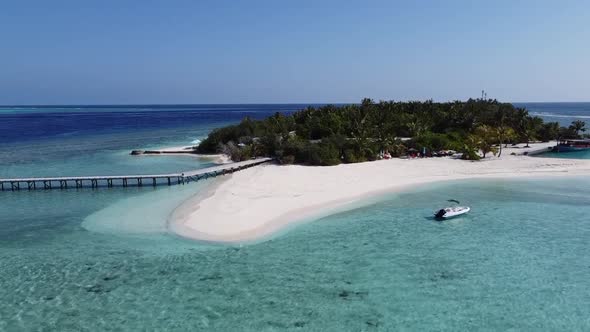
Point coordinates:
pixel 450 212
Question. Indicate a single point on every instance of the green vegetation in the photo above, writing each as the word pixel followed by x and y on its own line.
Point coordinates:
pixel 330 135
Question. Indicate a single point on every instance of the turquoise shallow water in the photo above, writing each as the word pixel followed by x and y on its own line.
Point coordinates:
pixel 568 155
pixel 517 261
pixel 79 260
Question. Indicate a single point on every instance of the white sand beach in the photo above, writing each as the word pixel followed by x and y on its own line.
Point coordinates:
pixel 259 201
pixel 184 151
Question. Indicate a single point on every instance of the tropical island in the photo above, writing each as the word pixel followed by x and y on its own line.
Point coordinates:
pixel 331 135
pixel 258 202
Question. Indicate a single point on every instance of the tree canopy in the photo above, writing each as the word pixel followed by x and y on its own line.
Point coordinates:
pixel 330 134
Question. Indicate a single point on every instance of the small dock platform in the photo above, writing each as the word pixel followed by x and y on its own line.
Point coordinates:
pixel 138 180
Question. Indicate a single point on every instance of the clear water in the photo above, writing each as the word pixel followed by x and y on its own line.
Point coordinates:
pixel 517 261
pixel 96 140
pixel 103 259
pixel 567 155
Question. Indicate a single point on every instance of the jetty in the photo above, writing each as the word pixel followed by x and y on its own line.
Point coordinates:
pixel 138 180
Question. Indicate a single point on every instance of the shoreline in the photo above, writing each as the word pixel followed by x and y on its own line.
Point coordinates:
pixel 257 203
pixel 182 211
pixel 182 151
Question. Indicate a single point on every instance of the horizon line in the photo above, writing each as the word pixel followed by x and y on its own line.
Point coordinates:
pixel 289 103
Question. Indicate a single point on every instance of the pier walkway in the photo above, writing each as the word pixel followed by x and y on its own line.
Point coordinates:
pixel 126 180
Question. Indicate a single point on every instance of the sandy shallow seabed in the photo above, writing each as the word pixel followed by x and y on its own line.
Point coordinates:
pixel 260 201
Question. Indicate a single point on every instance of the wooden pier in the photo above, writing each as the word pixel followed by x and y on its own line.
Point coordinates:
pixel 126 180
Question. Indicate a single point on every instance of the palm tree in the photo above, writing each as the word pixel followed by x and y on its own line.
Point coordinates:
pixel 470 147
pixel 578 126
pixel 521 123
pixel 500 120
pixel 360 130
pixel 532 127
pixel 505 135
pixel 487 137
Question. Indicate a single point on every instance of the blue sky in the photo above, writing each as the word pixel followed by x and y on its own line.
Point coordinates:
pixel 121 52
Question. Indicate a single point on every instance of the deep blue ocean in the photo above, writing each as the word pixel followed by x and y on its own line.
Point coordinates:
pixel 87 140
pixel 564 113
pixel 88 260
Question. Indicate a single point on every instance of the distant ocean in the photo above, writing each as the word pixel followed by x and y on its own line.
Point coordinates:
pixel 564 113
pixel 103 259
pixel 87 140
